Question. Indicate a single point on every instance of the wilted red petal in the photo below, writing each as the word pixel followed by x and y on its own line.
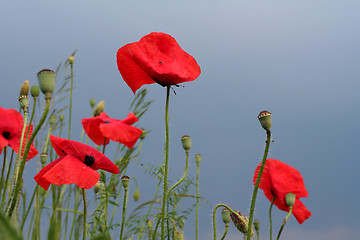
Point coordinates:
pixel 157 57
pixel 91 128
pixel 71 170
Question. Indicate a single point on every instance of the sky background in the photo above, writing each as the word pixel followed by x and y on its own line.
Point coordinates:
pixel 297 59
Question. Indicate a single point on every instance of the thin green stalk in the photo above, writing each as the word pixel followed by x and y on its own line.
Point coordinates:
pixel 103 151
pixel 84 198
pixel 71 93
pixel 270 219
pixel 166 162
pixel 7 180
pixel 75 209
pixel 123 213
pixel 225 232
pixel 197 200
pixel 283 225
pixel 2 171
pixel 252 207
pixel 29 207
pixel 31 118
pixel 185 173
pixel 18 157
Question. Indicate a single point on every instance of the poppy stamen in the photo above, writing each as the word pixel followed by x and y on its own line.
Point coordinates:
pixel 89 160
pixel 6 135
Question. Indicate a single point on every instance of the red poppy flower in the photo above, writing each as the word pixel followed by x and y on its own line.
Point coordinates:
pixel 11 124
pixel 279 179
pixel 157 57
pixel 77 164
pixel 101 127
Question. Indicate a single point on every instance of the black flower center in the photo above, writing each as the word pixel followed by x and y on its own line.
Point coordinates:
pixel 6 135
pixel 106 121
pixel 89 160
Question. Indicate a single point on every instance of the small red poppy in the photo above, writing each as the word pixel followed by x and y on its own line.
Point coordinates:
pixel 279 179
pixel 11 124
pixel 77 164
pixel 157 57
pixel 101 127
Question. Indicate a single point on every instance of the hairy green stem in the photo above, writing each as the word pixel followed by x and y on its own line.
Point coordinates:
pixel 225 232
pixel 7 180
pixel 28 209
pixel 197 200
pixel 284 222
pixel 123 212
pixel 2 171
pixel 252 207
pixel 270 218
pixel 84 198
pixel 214 214
pixel 71 93
pixel 166 163
pixel 18 157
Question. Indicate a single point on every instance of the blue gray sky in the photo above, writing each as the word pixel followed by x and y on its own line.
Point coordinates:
pixel 297 59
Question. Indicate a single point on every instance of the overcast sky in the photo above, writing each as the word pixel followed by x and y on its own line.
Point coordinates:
pixel 297 59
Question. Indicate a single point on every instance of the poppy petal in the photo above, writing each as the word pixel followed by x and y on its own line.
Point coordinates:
pixel 130 119
pixel 3 143
pixel 15 144
pixel 44 183
pixel 300 212
pixel 91 128
pixel 71 170
pixel 121 132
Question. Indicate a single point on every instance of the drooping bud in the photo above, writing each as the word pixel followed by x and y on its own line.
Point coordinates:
pixel 136 195
pixel 198 159
pixel 46 78
pixel 97 187
pixel 92 102
pixel 34 91
pixel 43 158
pixel 177 234
pixel 52 119
pixel 256 225
pixel 290 199
pixel 99 108
pixel 265 120
pixel 125 181
pixel 186 142
pixel 225 214
pixel 24 89
pixel 71 59
pixel 241 222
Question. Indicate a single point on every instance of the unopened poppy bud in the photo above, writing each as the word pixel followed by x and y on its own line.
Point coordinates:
pixel 71 59
pixel 265 119
pixel 43 158
pixel 24 89
pixel 92 102
pixel 225 214
pixel 46 78
pixel 97 187
pixel 198 158
pixel 99 108
pixel 125 181
pixel 256 225
pixel 241 222
pixel 136 195
pixel 24 102
pixel 186 142
pixel 52 119
pixel 290 199
pixel 61 117
pixel 177 234
pixel 34 91
pixel 143 135
pixel 150 224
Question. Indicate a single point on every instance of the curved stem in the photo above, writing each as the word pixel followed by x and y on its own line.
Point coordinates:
pixel 124 212
pixel 166 162
pixel 197 200
pixel 284 222
pixel 185 173
pixel 270 220
pixel 22 164
pixel 85 206
pixel 214 212
pixel 252 207
pixel 225 232
pixel 71 93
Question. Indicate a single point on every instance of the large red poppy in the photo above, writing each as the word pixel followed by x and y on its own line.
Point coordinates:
pixel 101 127
pixel 279 179
pixel 77 164
pixel 157 57
pixel 11 125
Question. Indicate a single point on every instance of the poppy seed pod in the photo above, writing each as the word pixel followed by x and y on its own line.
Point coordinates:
pixel 125 181
pixel 92 102
pixel 52 119
pixel 99 108
pixel 97 187
pixel 43 158
pixel 198 158
pixel 225 214
pixel 24 89
pixel 34 91
pixel 136 195
pixel 256 225
pixel 290 199
pixel 24 102
pixel 265 120
pixel 71 59
pixel 186 142
pixel 46 78
pixel 61 117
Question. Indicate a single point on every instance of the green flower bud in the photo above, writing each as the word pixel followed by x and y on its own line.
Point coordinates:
pixel 290 199
pixel 143 135
pixel 43 158
pixel 265 120
pixel 34 91
pixel 61 117
pixel 24 89
pixel 225 214
pixel 136 195
pixel 198 158
pixel 71 59
pixel 97 187
pixel 186 142
pixel 99 108
pixel 92 102
pixel 177 234
pixel 46 78
pixel 52 119
pixel 150 224
pixel 24 102
pixel 256 225
pixel 125 181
